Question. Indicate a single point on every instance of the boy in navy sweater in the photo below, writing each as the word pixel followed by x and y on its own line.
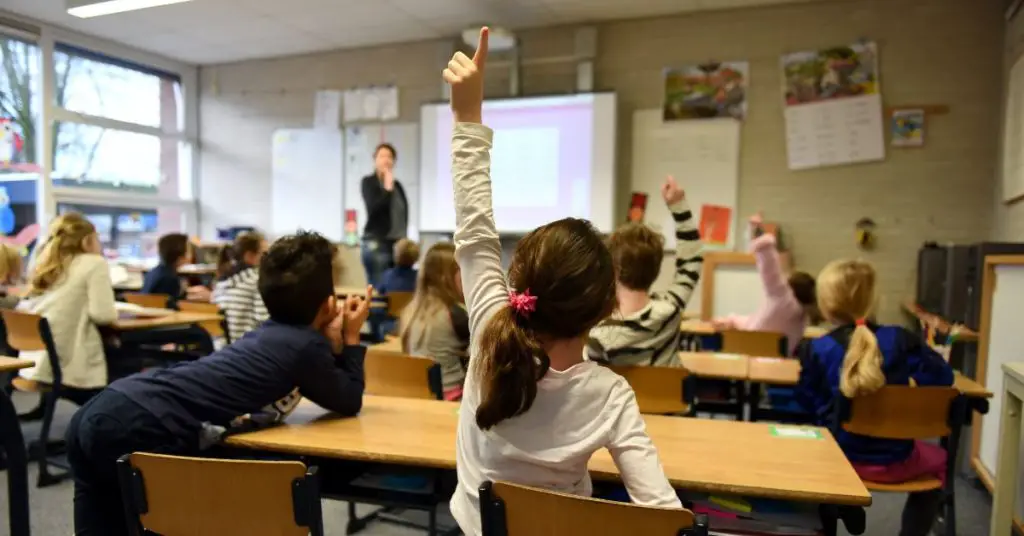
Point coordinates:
pixel 309 347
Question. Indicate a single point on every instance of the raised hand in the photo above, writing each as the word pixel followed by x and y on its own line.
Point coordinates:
pixel 355 312
pixel 671 192
pixel 755 222
pixel 466 78
pixel 388 179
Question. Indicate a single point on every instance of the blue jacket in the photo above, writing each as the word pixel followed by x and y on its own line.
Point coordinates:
pixel 163 279
pixel 904 357
pixel 398 279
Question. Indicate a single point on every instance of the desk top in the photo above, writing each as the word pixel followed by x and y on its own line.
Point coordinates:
pixel 970 387
pixel 936 322
pixel 390 344
pixel 354 291
pixel 697 454
pixel 176 318
pixel 10 364
pixel 198 269
pixel 774 370
pixel 702 327
pixel 715 365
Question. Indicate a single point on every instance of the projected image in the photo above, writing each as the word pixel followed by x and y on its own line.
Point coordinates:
pixel 552 157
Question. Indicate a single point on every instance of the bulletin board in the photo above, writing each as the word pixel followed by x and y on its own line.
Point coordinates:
pixel 704 157
pixel 360 142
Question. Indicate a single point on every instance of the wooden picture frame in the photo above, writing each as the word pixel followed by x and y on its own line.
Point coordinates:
pixel 988 288
pixel 712 260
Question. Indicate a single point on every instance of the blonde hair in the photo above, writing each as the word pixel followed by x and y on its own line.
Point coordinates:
pixel 406 252
pixel 65 241
pixel 846 295
pixel 10 263
pixel 436 289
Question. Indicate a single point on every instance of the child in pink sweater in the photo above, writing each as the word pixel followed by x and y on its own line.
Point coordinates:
pixel 788 304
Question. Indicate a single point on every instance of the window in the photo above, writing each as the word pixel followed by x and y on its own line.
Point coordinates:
pixel 20 105
pixel 118 126
pixel 129 233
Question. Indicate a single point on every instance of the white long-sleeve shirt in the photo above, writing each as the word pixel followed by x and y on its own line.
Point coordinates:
pixel 79 301
pixel 577 411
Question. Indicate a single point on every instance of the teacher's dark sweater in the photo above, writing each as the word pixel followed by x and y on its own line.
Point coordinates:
pixel 256 374
pixel 378 206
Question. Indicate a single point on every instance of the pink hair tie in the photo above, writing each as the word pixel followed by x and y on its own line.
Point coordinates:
pixel 522 303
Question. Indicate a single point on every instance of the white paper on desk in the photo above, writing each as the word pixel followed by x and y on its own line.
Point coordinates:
pixel 327 109
pixel 138 310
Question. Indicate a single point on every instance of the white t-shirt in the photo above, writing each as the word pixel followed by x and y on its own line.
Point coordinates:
pixel 576 412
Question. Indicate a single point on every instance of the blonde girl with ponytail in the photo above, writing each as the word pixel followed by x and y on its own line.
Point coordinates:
pixel 70 286
pixel 858 358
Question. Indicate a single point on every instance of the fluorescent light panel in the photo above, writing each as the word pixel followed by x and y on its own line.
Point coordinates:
pixel 95 8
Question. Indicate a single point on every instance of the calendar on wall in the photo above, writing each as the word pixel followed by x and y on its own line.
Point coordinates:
pixel 833 106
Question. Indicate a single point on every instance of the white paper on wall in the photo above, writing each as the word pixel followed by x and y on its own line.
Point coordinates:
pixel 327 109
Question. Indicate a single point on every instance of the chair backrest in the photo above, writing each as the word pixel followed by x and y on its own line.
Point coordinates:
pixel 397 302
pixel 205 497
pixel 156 301
pixel 27 332
pixel 214 327
pixel 754 343
pixel 401 375
pixel 659 390
pixel 903 412
pixel 514 510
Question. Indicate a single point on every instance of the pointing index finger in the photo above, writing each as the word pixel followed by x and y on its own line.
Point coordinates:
pixel 480 57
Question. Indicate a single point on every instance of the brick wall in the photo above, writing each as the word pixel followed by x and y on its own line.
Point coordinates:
pixel 931 52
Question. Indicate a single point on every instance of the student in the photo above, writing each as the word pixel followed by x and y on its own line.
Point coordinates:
pixel 70 287
pixel 238 293
pixel 645 328
pixel 533 411
pixel 10 275
pixel 310 343
pixel 859 357
pixel 435 323
pixel 175 251
pixel 789 303
pixel 401 278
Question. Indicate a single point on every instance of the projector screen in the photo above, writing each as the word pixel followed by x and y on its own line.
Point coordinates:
pixel 553 157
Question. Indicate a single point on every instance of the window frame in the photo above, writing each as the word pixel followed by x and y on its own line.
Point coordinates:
pixel 51 38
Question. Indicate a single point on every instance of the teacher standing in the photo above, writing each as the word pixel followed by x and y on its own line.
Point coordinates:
pixel 387 213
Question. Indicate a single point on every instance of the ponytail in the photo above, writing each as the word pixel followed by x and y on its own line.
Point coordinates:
pixel 513 361
pixel 862 366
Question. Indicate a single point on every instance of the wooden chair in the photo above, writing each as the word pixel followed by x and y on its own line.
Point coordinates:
pixel 754 343
pixel 216 328
pixel 397 302
pixel 401 375
pixel 31 333
pixel 156 301
pixel 514 510
pixel 659 390
pixel 174 495
pixel 906 412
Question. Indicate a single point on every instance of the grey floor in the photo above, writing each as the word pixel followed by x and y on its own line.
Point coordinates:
pixel 51 507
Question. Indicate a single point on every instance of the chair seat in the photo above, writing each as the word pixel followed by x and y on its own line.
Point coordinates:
pixel 913 486
pixel 29 386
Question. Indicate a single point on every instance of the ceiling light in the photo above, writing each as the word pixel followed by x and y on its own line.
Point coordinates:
pixel 95 8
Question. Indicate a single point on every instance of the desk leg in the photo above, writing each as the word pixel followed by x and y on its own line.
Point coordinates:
pixel 17 468
pixel 1008 461
pixel 754 401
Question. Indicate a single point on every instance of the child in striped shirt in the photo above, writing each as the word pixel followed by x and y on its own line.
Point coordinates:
pixel 237 293
pixel 644 330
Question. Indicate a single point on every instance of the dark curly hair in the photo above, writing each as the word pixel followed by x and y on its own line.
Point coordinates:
pixel 296 277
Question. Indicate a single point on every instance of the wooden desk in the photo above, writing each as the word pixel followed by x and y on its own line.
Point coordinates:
pixel 390 344
pixel 198 269
pixel 937 323
pixel 715 365
pixel 702 327
pixel 175 318
pixel 970 387
pixel 353 291
pixel 697 454
pixel 774 371
pixel 10 364
pixel 1004 498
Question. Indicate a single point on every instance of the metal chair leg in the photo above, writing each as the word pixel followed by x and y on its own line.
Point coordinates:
pixel 46 478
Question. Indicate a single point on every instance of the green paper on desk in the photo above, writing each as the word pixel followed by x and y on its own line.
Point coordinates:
pixel 795 432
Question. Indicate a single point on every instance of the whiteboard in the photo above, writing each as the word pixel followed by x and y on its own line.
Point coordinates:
pixel 1005 344
pixel 1013 135
pixel 704 157
pixel 738 290
pixel 360 141
pixel 306 191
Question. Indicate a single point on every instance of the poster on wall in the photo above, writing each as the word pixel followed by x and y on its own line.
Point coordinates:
pixel 833 106
pixel 907 128
pixel 715 224
pixel 706 91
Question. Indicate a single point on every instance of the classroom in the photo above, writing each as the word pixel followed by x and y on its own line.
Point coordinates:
pixel 517 267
